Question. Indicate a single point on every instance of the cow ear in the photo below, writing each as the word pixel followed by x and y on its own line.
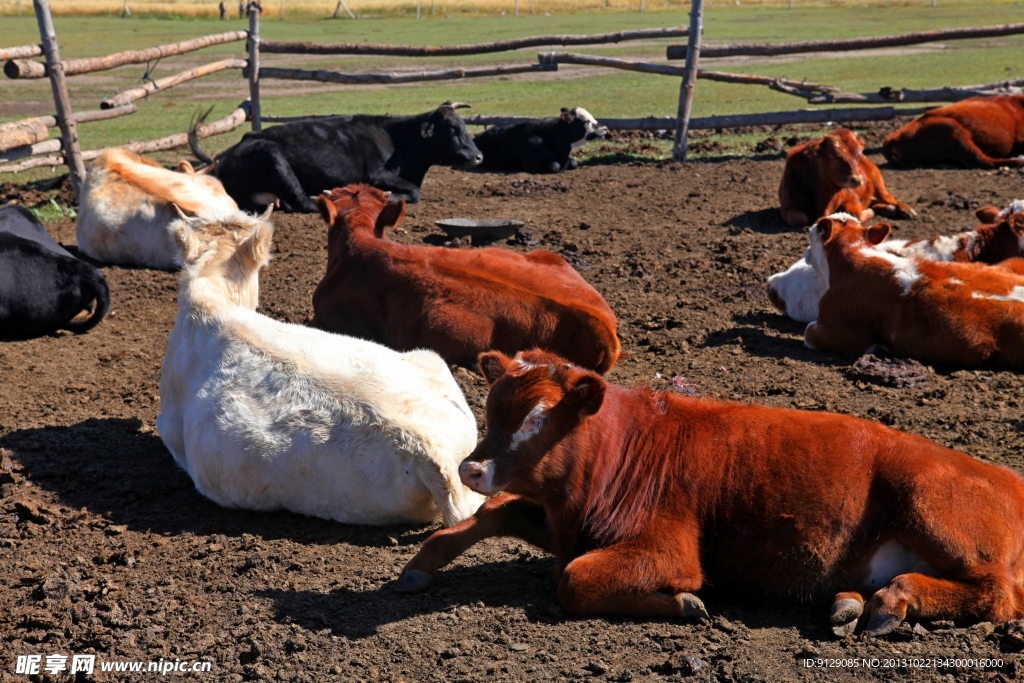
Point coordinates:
pixel 427 129
pixel 987 214
pixel 493 365
pixel 826 229
pixel 185 167
pixel 185 239
pixel 588 392
pixel 567 115
pixel 1016 221
pixel 389 217
pixel 328 211
pixel 256 248
pixel 877 233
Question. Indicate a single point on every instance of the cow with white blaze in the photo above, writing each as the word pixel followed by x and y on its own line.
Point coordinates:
pixel 267 415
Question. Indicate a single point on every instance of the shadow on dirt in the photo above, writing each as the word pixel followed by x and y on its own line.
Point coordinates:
pixel 755 340
pixel 112 467
pixel 764 221
pixel 526 585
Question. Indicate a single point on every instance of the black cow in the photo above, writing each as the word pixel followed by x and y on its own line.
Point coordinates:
pixel 292 162
pixel 541 146
pixel 42 286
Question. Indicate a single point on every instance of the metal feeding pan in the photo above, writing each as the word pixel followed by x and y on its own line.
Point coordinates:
pixel 480 229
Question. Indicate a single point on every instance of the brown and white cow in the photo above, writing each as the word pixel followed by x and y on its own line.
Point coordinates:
pixel 797 290
pixel 952 314
pixel 644 497
pixel 831 174
pixel 456 302
pixel 977 132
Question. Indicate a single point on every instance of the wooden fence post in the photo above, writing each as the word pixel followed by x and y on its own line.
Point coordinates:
pixel 254 65
pixel 59 86
pixel 689 80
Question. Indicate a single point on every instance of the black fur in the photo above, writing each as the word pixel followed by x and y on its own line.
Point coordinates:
pixel 541 146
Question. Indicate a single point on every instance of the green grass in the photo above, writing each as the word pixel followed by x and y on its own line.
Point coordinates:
pixel 605 93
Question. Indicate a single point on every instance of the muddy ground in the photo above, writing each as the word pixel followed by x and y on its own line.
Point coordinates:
pixel 105 546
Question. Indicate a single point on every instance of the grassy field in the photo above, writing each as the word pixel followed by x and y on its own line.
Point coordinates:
pixel 606 93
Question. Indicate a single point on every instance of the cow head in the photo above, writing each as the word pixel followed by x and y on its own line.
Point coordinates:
pixel 225 253
pixel 360 207
pixel 535 400
pixel 836 232
pixel 593 130
pixel 839 155
pixel 446 138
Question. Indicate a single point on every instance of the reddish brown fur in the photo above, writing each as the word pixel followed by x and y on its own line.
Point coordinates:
pixel 458 303
pixel 991 242
pixel 951 315
pixel 979 131
pixel 831 174
pixel 645 497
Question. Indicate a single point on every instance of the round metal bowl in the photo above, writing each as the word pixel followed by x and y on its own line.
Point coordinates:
pixel 480 229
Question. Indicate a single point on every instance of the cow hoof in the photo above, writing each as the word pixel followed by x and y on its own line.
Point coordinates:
pixel 691 607
pixel 845 614
pixel 880 623
pixel 413 581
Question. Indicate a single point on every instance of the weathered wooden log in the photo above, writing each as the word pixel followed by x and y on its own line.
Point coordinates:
pixel 129 96
pixel 20 52
pixel 23 68
pixel 682 135
pixel 34 162
pixel 24 132
pixel 777 83
pixel 769 49
pixel 737 121
pixel 45 147
pixel 402 77
pixel 252 69
pixel 947 94
pixel 284 47
pixel 224 125
pixel 103 114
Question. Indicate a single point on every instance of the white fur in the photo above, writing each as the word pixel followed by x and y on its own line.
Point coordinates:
pixel 842 217
pixel 892 559
pixel 124 215
pixel 528 429
pixel 903 269
pixel 799 287
pixel 268 415
pixel 1016 294
pixel 592 126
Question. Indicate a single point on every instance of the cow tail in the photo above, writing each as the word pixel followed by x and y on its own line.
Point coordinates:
pixel 94 288
pixel 193 136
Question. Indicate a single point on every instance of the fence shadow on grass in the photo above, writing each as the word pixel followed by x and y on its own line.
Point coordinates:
pixel 110 466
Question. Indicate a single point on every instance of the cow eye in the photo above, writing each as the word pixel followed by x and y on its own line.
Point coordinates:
pixel 538 421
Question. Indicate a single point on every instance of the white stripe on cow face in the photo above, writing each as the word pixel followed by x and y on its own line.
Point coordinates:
pixel 532 424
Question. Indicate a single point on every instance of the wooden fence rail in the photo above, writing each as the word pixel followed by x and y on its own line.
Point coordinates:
pixel 773 49
pixel 282 47
pixel 24 68
pixel 20 52
pixel 129 96
pixel 401 77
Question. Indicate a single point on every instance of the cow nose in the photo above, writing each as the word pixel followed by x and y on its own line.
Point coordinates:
pixel 478 159
pixel 855 181
pixel 471 474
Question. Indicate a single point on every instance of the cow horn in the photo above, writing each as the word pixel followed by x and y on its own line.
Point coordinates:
pixel 457 105
pixel 181 214
pixel 266 214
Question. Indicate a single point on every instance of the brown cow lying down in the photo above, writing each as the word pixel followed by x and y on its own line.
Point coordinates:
pixel 953 314
pixel 644 497
pixel 458 303
pixel 979 131
pixel 832 174
pixel 796 291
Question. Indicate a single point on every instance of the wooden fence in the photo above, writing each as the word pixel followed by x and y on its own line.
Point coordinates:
pixel 26 144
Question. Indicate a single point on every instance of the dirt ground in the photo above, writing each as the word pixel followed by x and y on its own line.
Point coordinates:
pixel 106 547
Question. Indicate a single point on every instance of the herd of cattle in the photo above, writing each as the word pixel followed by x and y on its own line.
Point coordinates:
pixel 642 496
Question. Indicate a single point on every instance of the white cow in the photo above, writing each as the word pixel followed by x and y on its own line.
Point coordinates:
pixel 267 415
pixel 128 203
